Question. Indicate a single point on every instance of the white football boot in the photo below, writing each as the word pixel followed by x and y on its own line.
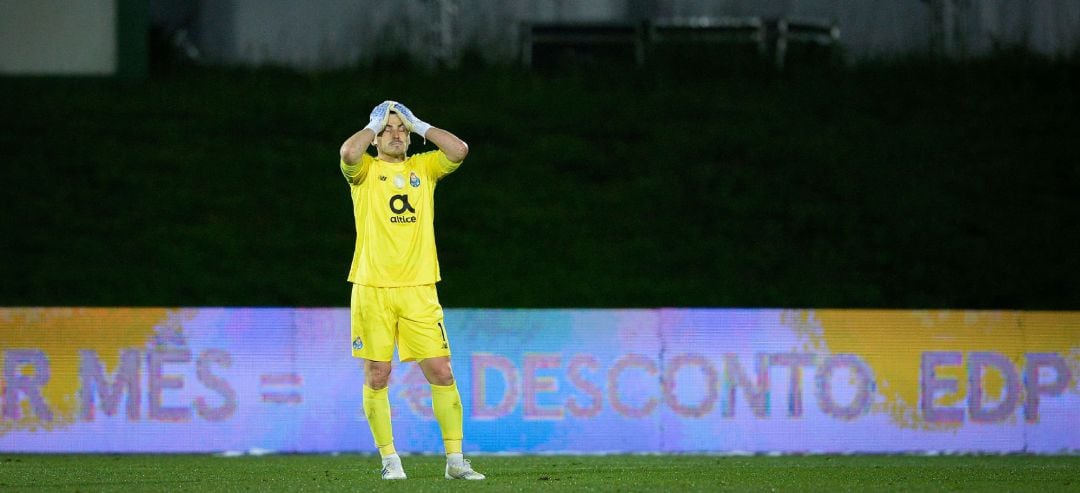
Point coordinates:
pixel 391 467
pixel 457 467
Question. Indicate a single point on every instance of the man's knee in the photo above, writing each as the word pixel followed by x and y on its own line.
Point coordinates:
pixel 377 374
pixel 438 371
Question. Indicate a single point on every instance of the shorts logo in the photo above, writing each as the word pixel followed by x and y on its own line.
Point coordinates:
pixel 357 344
pixel 414 180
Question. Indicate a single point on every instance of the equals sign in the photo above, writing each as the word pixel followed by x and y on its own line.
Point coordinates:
pixel 281 388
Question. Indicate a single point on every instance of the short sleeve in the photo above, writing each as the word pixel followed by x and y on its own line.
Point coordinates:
pixel 439 165
pixel 357 173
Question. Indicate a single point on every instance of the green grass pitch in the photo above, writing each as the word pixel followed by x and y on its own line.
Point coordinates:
pixel 206 473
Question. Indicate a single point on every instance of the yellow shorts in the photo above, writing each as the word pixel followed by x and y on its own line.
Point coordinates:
pixel 409 317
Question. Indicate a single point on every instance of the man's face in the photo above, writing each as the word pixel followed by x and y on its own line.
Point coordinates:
pixel 393 141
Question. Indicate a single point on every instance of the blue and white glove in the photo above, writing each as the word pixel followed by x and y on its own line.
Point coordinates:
pixel 410 120
pixel 378 117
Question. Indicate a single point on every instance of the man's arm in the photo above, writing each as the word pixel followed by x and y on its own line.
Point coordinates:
pixel 352 151
pixel 454 148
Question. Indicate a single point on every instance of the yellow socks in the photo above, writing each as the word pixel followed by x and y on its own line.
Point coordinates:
pixel 446 403
pixel 377 410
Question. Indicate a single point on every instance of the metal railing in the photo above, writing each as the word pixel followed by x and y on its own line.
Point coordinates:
pixel 767 36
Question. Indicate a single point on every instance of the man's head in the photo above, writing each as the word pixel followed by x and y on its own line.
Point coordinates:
pixel 393 142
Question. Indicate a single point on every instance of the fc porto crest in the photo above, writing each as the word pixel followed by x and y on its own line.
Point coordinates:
pixel 414 180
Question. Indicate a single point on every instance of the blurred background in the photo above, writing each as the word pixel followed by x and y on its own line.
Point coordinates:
pixel 624 153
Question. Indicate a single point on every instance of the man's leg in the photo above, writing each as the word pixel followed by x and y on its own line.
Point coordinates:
pixel 377 411
pixel 377 405
pixel 422 337
pixel 446 403
pixel 373 333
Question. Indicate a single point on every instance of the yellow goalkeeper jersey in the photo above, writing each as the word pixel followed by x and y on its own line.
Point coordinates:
pixel 394 209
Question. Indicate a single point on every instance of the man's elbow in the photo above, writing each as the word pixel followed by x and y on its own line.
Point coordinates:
pixel 458 152
pixel 350 155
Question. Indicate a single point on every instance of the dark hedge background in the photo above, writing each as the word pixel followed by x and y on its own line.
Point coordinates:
pixel 909 183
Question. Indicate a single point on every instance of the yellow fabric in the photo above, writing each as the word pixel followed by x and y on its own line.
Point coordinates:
pixel 409 316
pixel 446 403
pixel 394 212
pixel 377 411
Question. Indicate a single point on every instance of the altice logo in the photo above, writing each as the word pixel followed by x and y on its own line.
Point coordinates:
pixel 399 204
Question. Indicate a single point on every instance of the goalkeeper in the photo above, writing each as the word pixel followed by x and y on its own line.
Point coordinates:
pixel 394 271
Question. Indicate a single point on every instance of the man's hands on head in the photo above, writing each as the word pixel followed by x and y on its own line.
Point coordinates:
pixel 413 123
pixel 352 151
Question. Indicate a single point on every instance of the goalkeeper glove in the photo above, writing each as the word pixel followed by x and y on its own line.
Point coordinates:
pixel 411 121
pixel 378 117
